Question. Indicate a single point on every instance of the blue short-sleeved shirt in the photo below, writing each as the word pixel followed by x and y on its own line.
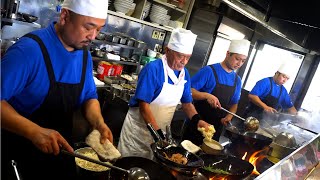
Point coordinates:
pixel 24 77
pixel 150 83
pixel 204 81
pixel 262 89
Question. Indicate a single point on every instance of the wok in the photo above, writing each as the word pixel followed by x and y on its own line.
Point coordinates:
pixel 162 149
pixel 252 139
pixel 235 167
pixel 193 161
pixel 154 170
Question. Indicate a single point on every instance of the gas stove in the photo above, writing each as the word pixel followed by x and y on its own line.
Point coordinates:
pixel 258 158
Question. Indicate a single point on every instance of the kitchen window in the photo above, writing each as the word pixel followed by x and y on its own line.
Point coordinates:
pixel 312 99
pixel 219 50
pixel 266 63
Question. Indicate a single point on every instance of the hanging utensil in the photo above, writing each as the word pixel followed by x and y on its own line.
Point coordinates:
pixel 134 173
pixel 251 123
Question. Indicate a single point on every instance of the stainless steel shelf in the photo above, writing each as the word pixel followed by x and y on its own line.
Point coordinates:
pixel 115 61
pixel 114 44
pixel 36 25
pixel 166 28
pixel 171 6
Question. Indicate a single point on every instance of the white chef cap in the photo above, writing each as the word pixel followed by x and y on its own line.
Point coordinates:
pixel 286 69
pixel 182 41
pixel 240 47
pixel 91 8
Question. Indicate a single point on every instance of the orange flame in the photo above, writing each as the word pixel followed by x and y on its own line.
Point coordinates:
pixel 174 173
pixel 218 178
pixel 254 159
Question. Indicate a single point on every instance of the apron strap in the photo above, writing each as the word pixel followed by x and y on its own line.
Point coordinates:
pixel 46 57
pixel 47 60
pixel 270 92
pixel 84 67
pixel 271 87
pixel 217 80
pixel 215 74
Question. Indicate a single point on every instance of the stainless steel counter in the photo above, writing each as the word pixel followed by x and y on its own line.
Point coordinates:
pixel 298 164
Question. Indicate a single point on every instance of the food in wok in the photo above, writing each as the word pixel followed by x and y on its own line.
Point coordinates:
pixel 177 158
pixel 89 152
pixel 216 170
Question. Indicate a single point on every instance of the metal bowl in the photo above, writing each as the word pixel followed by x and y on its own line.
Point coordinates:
pixel 101 36
pixel 211 147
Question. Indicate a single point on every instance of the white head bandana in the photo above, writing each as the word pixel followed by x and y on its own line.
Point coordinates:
pixel 240 47
pixel 182 41
pixel 91 8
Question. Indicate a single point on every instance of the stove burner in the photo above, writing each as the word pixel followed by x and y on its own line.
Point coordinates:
pixel 239 150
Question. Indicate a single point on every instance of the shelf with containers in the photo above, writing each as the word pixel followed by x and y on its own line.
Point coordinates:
pixel 117 50
pixel 179 13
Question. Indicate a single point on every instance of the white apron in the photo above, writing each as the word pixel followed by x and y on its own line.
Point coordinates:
pixel 135 138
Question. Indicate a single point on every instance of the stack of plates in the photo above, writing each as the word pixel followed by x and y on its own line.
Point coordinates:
pixel 124 6
pixel 146 10
pixel 159 15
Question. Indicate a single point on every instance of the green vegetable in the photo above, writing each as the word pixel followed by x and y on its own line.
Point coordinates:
pixel 215 170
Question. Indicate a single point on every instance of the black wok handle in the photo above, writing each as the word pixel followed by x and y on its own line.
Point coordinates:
pixel 154 133
pixel 303 128
pixel 168 133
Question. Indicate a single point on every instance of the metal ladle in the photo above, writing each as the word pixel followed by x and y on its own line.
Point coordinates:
pixel 134 173
pixel 251 123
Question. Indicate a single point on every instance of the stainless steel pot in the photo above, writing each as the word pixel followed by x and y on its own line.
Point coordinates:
pixel 140 44
pixel 101 36
pixel 278 151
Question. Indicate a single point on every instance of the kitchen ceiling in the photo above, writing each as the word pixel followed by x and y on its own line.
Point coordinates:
pixel 300 12
pixel 298 20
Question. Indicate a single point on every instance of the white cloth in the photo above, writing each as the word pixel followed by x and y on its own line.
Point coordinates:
pixel 135 138
pixel 182 40
pixel 240 47
pixel 106 150
pixel 91 8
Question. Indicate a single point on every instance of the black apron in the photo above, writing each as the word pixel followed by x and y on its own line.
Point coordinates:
pixel 55 113
pixel 256 111
pixel 209 114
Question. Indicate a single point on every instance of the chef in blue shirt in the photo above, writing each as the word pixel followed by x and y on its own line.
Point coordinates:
pixel 162 84
pixel 269 95
pixel 45 77
pixel 215 86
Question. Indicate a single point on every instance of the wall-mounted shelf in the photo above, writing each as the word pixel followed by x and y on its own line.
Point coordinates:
pixel 115 61
pixel 166 28
pixel 171 6
pixel 12 21
pixel 113 44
